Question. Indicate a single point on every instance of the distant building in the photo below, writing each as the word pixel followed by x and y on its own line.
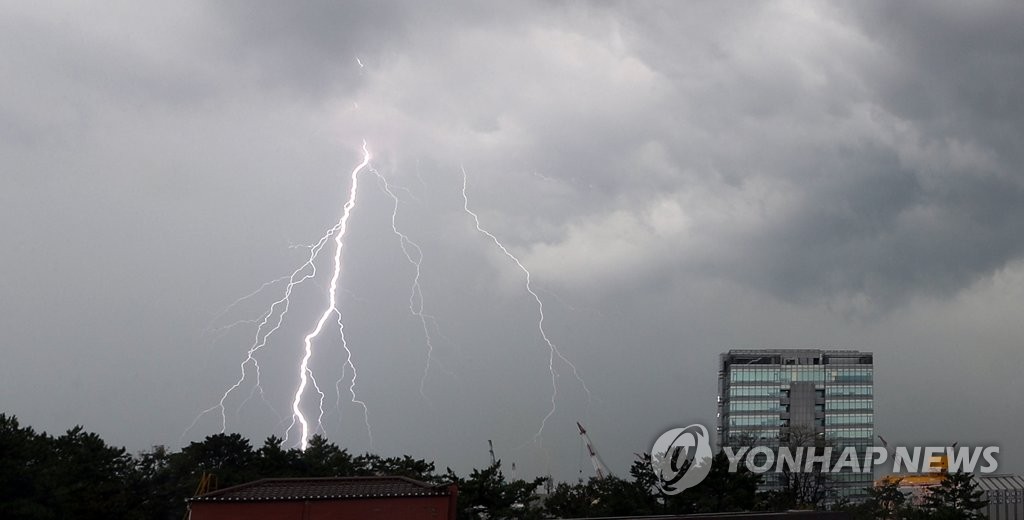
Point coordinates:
pixel 1005 495
pixel 783 397
pixel 327 498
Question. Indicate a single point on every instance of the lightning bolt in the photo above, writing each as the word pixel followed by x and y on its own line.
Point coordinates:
pixel 232 305
pixel 305 374
pixel 271 321
pixel 279 309
pixel 348 364
pixel 414 254
pixel 553 351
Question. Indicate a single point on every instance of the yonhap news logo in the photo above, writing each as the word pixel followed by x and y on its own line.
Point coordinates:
pixel 681 458
pixel 850 459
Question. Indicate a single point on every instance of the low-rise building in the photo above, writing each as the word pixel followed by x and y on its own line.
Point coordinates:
pixel 370 498
pixel 1005 495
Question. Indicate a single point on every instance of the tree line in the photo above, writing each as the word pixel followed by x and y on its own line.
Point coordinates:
pixel 78 476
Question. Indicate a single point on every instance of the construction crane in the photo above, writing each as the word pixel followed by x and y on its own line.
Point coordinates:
pixel 207 483
pixel 599 466
pixel 490 447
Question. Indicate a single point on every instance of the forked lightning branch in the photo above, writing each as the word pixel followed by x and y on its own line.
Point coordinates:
pixel 302 421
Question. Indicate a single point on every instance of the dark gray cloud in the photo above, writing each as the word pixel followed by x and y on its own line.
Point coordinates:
pixel 680 178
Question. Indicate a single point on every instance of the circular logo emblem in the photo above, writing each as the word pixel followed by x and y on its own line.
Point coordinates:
pixel 681 458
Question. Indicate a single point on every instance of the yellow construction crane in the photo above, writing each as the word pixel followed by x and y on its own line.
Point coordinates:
pixel 207 483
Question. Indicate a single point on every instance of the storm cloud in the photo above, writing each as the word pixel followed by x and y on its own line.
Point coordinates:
pixel 681 179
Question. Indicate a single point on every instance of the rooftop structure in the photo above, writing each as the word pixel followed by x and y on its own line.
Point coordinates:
pixel 324 498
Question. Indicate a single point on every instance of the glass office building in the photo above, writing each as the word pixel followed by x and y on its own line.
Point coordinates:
pixel 799 397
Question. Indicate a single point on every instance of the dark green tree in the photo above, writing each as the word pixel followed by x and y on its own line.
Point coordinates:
pixel 776 500
pixel 169 478
pixel 87 479
pixel 721 491
pixel 74 476
pixel 158 494
pixel 404 466
pixel 608 496
pixel 229 456
pixel 885 502
pixel 802 489
pixel 614 496
pixel 23 457
pixel 569 501
pixel 957 497
pixel 487 494
pixel 323 458
pixel 273 460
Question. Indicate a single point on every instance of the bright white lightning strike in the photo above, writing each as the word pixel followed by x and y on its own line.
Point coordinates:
pixel 305 374
pixel 553 351
pixel 304 272
pixel 272 320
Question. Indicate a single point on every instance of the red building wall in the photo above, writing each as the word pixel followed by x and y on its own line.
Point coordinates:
pixel 411 508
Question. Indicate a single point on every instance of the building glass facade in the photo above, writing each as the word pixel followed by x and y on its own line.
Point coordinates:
pixel 799 397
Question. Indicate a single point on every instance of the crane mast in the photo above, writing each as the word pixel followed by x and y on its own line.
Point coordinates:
pixel 599 466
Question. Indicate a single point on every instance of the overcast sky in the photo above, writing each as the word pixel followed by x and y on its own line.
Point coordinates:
pixel 680 178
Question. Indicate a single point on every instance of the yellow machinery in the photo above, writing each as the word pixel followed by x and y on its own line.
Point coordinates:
pixel 916 485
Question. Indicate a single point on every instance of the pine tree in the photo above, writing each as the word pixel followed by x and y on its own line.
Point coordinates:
pixel 885 501
pixel 958 497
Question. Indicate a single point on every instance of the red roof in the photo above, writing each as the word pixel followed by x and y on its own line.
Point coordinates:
pixel 275 489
